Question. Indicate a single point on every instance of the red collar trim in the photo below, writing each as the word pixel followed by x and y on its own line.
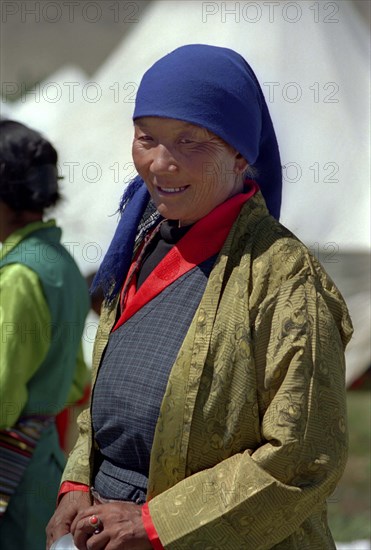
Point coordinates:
pixel 202 241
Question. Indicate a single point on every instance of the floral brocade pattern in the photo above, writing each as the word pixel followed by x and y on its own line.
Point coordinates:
pixel 251 438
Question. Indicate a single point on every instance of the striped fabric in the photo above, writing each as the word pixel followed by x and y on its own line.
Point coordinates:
pixel 17 445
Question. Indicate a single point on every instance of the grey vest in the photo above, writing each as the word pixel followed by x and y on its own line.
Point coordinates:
pixel 132 380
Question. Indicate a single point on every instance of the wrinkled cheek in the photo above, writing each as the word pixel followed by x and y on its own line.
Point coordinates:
pixel 215 174
pixel 209 173
pixel 203 198
pixel 140 158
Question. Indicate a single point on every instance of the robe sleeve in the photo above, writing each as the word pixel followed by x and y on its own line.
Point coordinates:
pixel 78 468
pixel 259 497
pixel 25 337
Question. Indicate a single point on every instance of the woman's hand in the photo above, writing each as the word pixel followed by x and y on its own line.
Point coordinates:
pixel 119 524
pixel 69 506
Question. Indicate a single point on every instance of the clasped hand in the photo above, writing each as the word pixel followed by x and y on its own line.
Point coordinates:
pixel 120 526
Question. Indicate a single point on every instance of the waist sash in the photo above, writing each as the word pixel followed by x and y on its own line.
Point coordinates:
pixel 17 445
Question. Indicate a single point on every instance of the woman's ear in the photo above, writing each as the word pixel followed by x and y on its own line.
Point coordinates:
pixel 240 164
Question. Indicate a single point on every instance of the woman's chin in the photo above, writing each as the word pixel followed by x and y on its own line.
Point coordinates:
pixel 168 213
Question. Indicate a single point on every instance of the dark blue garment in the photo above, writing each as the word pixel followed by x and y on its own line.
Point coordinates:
pixel 214 88
pixel 116 262
pixel 132 380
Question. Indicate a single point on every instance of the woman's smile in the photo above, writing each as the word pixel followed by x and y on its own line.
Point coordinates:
pixel 170 190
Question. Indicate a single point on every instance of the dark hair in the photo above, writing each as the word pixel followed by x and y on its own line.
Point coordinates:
pixel 28 168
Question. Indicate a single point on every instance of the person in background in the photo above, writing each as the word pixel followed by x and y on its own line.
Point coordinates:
pixel 44 301
pixel 218 413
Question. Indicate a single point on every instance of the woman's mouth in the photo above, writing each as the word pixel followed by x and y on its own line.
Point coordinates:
pixel 171 190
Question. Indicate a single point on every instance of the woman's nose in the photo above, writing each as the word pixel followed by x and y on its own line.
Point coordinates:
pixel 163 160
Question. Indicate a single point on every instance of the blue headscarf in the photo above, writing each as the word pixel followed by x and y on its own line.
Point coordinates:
pixel 216 89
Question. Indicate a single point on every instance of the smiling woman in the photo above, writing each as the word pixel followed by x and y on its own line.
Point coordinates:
pixel 187 169
pixel 218 412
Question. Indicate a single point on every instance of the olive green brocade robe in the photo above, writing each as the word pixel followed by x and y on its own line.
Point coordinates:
pixel 251 438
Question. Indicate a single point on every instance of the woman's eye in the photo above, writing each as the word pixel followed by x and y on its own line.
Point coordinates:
pixel 186 141
pixel 145 138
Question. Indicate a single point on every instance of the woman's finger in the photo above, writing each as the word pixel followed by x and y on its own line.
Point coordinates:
pixel 85 514
pixel 86 528
pixel 98 542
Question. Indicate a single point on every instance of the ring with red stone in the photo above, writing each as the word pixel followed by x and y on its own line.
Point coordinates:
pixel 96 523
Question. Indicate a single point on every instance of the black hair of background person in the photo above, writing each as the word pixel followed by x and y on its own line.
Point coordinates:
pixel 28 168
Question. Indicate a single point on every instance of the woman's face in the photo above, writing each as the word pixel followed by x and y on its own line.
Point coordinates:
pixel 187 169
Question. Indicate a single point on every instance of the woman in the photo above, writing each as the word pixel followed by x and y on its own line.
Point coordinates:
pixel 218 412
pixel 44 302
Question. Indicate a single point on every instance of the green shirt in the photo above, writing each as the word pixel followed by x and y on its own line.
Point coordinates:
pixel 25 321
